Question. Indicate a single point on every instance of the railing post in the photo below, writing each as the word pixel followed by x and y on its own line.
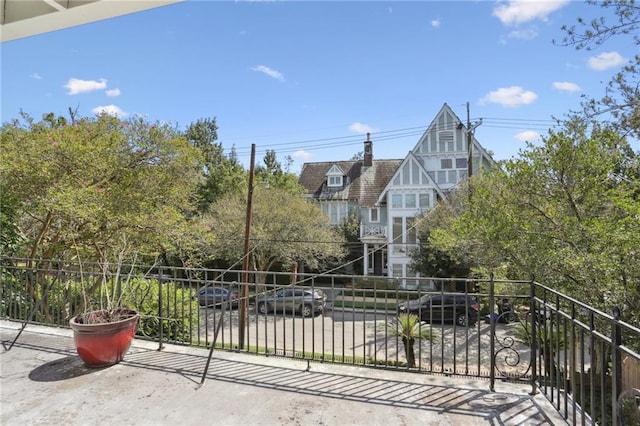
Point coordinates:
pixel 160 322
pixel 492 344
pixel 534 337
pixel 616 364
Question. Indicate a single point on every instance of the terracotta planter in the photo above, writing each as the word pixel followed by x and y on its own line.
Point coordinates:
pixel 104 344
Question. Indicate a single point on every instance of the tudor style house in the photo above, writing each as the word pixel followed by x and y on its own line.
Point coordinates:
pixel 389 194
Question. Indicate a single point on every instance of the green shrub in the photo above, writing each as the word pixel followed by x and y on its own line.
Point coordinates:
pixel 179 313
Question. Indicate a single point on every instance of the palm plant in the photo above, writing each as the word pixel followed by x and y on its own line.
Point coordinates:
pixel 409 328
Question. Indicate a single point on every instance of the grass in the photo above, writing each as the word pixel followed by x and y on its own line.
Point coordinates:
pixel 359 304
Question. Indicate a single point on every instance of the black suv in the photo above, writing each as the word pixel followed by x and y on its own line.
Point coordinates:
pixel 460 309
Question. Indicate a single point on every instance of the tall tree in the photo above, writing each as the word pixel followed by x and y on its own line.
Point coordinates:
pixel 566 211
pixel 272 173
pixel 285 230
pixel 221 174
pixel 96 186
pixel 620 105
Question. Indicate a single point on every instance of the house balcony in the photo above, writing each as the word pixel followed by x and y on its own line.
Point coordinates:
pixel 373 232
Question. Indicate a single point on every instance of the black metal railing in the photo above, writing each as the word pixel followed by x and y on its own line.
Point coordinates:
pixel 580 358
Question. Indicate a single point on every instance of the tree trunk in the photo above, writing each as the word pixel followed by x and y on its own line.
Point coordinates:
pixel 408 351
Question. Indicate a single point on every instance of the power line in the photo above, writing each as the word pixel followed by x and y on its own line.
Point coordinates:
pixel 389 135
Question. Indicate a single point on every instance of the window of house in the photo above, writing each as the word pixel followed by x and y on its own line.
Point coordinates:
pixel 373 215
pixel 423 199
pixel 411 231
pixel 445 140
pixel 461 163
pixel 334 180
pixel 396 231
pixel 441 177
pixel 333 213
pixel 397 270
pixel 337 211
pixel 452 176
pixel 396 201
pixel 410 201
pixel 446 163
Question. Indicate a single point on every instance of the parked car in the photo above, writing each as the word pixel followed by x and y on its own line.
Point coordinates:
pixel 304 301
pixel 216 296
pixel 460 309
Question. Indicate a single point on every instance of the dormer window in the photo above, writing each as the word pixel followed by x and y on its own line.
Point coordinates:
pixel 334 180
pixel 335 177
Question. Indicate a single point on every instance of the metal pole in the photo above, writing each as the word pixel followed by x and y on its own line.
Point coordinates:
pixel 492 322
pixel 616 364
pixel 160 313
pixel 469 145
pixel 247 238
pixel 534 338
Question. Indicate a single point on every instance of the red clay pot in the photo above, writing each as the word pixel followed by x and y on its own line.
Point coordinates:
pixel 104 344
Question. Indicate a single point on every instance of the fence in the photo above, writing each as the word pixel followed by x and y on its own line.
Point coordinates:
pixel 582 359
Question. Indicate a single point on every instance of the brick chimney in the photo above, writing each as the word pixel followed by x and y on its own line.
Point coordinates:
pixel 368 151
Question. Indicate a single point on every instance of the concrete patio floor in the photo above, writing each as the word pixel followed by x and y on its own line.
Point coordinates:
pixel 43 382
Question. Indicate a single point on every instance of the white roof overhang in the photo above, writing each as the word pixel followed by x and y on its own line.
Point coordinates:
pixel 25 18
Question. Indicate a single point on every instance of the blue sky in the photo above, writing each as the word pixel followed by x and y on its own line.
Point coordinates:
pixel 309 79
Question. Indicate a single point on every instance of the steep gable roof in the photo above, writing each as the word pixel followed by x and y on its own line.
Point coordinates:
pixel 447 121
pixel 362 184
pixel 424 179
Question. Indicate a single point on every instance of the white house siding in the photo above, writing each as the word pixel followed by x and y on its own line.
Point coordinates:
pixel 400 189
pixel 410 192
pixel 437 163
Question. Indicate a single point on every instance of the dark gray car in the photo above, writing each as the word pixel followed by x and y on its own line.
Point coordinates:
pixel 215 296
pixel 304 301
pixel 460 309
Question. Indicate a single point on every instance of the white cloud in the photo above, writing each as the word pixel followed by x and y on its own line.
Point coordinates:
pixel 565 86
pixel 606 60
pixel 360 128
pixel 510 97
pixel 76 86
pixel 112 92
pixel 435 23
pixel 110 110
pixel 36 76
pixel 528 136
pixel 302 154
pixel 268 71
pixel 514 12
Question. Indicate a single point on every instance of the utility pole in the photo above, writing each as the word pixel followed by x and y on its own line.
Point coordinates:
pixel 469 145
pixel 470 130
pixel 244 294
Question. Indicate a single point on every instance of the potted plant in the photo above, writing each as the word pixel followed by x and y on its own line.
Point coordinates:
pixel 103 336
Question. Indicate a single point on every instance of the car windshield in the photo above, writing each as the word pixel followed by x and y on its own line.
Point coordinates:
pixel 424 299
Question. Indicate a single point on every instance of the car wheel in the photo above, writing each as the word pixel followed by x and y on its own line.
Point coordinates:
pixel 263 308
pixel 307 311
pixel 462 320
